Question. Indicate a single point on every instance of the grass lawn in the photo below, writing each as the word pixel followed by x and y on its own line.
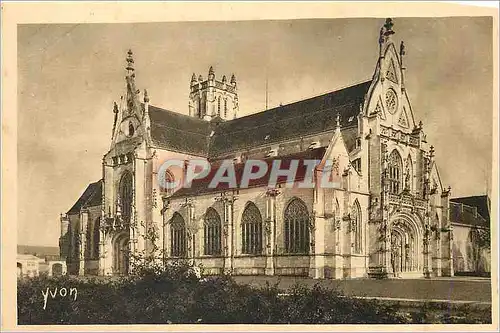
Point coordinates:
pixel 459 289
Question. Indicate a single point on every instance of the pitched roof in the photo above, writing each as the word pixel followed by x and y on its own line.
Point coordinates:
pixel 481 202
pixel 92 196
pixel 178 132
pixel 310 116
pixel 201 186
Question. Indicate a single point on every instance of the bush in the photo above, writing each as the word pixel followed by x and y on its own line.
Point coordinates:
pixel 177 294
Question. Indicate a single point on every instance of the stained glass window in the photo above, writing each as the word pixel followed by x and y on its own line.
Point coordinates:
pixel 251 230
pixel 212 233
pixel 357 227
pixel 296 227
pixel 126 196
pixel 178 236
pixel 395 172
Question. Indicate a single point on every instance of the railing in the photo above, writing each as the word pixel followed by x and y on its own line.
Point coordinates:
pixel 407 200
pixel 399 135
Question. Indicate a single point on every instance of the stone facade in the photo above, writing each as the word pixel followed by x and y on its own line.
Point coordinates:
pixel 388 216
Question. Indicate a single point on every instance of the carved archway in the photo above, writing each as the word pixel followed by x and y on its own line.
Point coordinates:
pixel 121 253
pixel 406 244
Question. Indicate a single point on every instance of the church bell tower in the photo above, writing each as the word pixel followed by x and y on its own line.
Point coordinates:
pixel 211 98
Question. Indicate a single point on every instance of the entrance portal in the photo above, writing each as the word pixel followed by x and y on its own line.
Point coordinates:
pixel 406 252
pixel 121 254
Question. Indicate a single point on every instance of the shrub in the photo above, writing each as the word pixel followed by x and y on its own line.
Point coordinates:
pixel 177 294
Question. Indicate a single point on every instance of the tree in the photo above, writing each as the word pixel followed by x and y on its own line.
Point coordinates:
pixel 480 241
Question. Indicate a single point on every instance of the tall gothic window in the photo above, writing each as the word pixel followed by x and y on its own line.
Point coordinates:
pixel 395 169
pixel 225 107
pixel 178 245
pixel 357 227
pixel 88 241
pixel 212 233
pixel 126 196
pixel 251 230
pixel 296 227
pixel 96 239
pixel 76 241
pixel 218 106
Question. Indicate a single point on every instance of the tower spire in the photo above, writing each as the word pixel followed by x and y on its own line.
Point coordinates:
pixel 388 27
pixel 115 111
pixel 385 35
pixel 211 73
pixel 130 63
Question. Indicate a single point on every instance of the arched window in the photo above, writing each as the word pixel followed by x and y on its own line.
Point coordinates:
pixel 88 241
pixel 212 233
pixel 76 242
pixel 178 245
pixel 251 230
pixel 296 227
pixel 218 106
pixel 395 167
pixel 168 186
pixel 125 192
pixel 357 227
pixel 225 107
pixel 96 240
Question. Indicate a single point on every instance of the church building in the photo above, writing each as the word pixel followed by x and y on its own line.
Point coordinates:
pixel 388 217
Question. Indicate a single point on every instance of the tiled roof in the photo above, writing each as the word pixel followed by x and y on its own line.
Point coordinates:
pixel 310 116
pixel 481 202
pixel 178 132
pixel 201 186
pixel 175 131
pixel 465 214
pixel 92 196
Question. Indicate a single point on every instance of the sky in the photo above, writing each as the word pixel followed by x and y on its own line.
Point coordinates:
pixel 69 75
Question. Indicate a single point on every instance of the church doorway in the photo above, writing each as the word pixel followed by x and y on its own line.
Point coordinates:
pixel 121 254
pixel 406 254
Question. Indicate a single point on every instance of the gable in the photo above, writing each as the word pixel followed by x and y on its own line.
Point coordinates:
pixel 92 196
pixel 435 178
pixel 388 97
pixel 391 72
pixel 403 119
